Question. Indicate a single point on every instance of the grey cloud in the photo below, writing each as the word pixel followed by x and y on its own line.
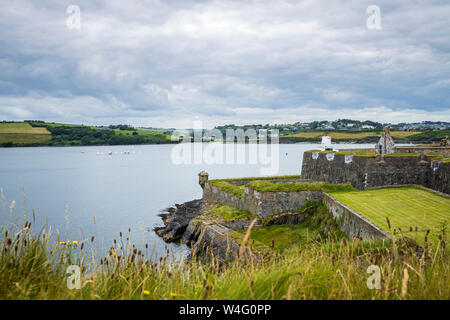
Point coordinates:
pixel 168 61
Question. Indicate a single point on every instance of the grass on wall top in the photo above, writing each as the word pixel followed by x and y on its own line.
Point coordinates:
pixel 392 155
pixel 263 178
pixel 227 213
pixel 265 186
pixel 237 191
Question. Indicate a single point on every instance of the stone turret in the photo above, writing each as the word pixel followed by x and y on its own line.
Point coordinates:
pixel 386 144
pixel 203 176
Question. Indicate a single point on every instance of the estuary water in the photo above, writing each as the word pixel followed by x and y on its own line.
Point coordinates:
pixel 103 190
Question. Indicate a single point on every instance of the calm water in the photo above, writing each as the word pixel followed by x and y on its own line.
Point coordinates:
pixel 73 187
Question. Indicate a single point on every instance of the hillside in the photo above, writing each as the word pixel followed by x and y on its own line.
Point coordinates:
pixel 22 133
pixel 369 136
pixel 37 133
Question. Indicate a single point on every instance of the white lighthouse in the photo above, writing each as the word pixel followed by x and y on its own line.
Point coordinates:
pixel 326 143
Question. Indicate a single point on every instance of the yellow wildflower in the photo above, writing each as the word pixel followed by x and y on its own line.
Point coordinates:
pixel 75 242
pixel 114 254
pixel 146 292
pixel 62 242
pixel 173 294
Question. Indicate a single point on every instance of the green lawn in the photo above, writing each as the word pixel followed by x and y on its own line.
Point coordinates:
pixel 405 207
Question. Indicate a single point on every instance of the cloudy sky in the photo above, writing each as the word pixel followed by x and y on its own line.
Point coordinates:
pixel 168 63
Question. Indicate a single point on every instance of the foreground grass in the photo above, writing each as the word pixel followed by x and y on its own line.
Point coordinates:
pixel 333 270
pixel 32 266
pixel 406 208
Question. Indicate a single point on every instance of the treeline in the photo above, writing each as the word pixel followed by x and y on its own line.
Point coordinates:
pixel 367 139
pixel 430 135
pixel 82 135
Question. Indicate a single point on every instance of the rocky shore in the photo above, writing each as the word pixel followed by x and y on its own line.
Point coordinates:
pixel 205 236
pixel 176 219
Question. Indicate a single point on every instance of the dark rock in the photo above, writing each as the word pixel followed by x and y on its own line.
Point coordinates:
pixel 177 219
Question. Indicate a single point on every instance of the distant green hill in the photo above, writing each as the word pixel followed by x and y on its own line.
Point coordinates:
pixel 37 133
pixel 367 137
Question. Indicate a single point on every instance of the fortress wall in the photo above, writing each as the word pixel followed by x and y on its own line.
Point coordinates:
pixel 352 223
pixel 214 194
pixel 267 204
pixel 366 172
pixel 440 178
pixel 263 204
pixel 319 167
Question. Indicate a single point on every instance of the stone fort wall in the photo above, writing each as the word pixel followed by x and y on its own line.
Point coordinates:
pixel 364 172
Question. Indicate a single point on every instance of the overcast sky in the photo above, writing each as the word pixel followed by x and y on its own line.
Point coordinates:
pixel 168 63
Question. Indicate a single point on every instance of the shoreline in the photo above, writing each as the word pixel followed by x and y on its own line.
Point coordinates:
pixel 207 142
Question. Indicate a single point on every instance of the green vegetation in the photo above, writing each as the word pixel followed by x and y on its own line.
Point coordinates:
pixel 265 186
pixel 344 152
pixel 367 155
pixel 38 133
pixel 313 150
pixel 437 156
pixel 431 135
pixel 238 191
pixel 265 178
pixel 340 136
pixel 319 226
pixel 411 211
pixel 34 266
pixel 393 155
pixel 228 213
pixel 356 152
pixel 22 133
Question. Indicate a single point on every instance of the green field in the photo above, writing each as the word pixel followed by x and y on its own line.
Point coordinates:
pixel 406 207
pixel 22 133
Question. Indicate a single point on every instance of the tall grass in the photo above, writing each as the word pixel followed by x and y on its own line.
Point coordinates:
pixel 33 266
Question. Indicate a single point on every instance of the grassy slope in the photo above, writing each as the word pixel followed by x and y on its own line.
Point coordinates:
pixel 405 207
pixel 22 133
